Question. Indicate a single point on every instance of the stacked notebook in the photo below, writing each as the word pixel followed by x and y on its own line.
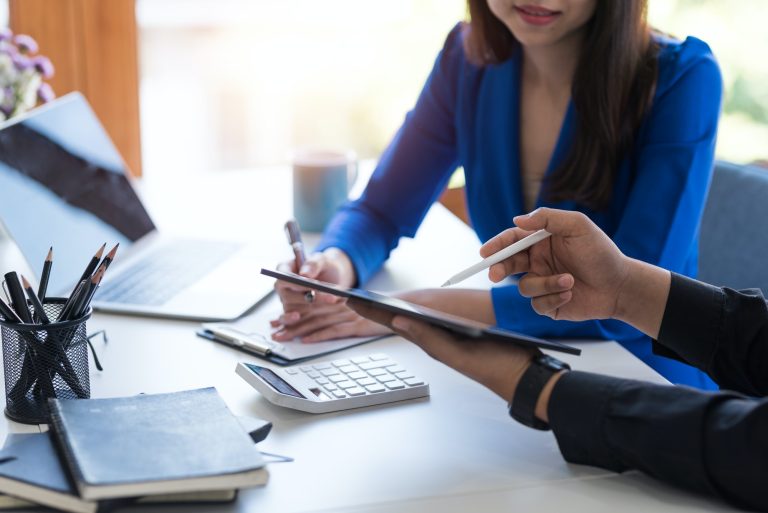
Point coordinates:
pixel 177 447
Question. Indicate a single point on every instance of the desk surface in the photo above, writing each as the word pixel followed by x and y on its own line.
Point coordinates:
pixel 457 450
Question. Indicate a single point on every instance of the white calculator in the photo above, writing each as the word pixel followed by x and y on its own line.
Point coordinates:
pixel 335 385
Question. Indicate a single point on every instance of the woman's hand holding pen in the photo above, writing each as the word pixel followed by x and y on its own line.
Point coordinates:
pixel 326 316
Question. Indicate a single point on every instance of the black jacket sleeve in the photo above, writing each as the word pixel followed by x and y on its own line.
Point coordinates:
pixel 715 443
pixel 719 330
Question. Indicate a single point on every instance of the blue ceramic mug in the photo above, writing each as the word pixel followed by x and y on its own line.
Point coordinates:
pixel 321 183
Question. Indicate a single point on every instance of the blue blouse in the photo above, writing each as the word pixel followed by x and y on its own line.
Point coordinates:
pixel 469 116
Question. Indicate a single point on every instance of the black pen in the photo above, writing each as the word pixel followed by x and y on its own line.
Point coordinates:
pixel 294 239
pixel 39 310
pixel 8 313
pixel 43 288
pixel 18 301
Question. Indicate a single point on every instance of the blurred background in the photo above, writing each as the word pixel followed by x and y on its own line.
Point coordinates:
pixel 232 84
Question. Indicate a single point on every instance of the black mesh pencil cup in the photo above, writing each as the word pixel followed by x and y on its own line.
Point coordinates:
pixel 43 361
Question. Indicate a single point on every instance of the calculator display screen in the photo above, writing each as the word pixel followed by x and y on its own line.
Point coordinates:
pixel 275 381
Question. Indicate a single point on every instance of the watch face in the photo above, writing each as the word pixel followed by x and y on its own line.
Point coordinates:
pixel 552 363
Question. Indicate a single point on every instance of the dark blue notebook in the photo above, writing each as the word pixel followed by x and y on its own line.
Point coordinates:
pixel 30 470
pixel 154 444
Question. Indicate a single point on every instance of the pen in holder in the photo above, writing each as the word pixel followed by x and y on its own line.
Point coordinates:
pixel 43 361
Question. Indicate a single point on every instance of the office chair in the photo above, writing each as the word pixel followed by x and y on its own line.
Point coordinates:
pixel 733 245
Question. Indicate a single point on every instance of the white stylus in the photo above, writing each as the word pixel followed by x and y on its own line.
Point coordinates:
pixel 497 257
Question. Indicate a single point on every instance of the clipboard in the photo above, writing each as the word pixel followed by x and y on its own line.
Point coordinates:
pixel 251 334
pixel 453 323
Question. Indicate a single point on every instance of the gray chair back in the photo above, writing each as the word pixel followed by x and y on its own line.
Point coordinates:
pixel 733 245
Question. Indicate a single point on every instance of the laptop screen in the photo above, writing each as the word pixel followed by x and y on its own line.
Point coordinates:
pixel 64 184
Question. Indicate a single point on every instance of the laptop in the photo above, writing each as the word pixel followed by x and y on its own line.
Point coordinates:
pixel 64 184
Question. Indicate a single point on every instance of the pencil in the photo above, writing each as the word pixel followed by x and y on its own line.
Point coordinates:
pixel 43 288
pixel 110 256
pixel 92 264
pixel 85 299
pixel 39 310
pixel 73 298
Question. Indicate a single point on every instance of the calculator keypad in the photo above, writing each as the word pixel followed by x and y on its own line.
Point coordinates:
pixel 358 376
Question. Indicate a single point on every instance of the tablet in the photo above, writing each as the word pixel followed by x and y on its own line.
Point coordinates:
pixel 459 325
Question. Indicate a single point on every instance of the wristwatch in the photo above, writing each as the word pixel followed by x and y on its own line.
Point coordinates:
pixel 523 405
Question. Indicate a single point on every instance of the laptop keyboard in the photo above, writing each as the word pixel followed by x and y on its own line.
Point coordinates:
pixel 160 275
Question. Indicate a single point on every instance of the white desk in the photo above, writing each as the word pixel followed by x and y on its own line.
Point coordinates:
pixel 455 451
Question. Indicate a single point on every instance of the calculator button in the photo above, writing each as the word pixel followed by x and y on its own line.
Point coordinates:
pixel 357 375
pixel 377 365
pixel 413 381
pixel 346 384
pixel 321 381
pixel 340 363
pixel 291 371
pixel 339 394
pixel 375 388
pixel 377 372
pixel 329 372
pixel 337 378
pixel 379 356
pixel 360 359
pixel 394 385
pixel 322 366
pixel 313 374
pixel 355 391
pixel 366 381
pixel 346 369
pixel 386 378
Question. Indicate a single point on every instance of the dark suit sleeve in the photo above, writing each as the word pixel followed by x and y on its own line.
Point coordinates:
pixel 719 330
pixel 715 443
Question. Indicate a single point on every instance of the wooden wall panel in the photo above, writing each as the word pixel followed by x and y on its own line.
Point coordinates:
pixel 93 46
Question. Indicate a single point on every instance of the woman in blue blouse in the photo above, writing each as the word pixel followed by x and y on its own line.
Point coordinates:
pixel 569 104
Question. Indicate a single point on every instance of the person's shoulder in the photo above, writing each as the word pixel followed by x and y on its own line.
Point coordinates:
pixel 453 48
pixel 679 58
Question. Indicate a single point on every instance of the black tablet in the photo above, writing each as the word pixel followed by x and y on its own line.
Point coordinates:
pixel 456 324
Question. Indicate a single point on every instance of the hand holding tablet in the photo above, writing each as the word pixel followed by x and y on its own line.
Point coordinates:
pixel 460 325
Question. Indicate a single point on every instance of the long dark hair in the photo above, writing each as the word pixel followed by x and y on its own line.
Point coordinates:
pixel 612 90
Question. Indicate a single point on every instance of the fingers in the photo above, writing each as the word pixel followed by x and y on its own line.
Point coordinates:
pixel 436 342
pixel 369 312
pixel 550 304
pixel 502 240
pixel 319 319
pixel 533 285
pixel 557 222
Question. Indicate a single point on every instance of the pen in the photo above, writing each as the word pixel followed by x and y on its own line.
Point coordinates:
pixel 18 301
pixel 39 310
pixel 294 239
pixel 43 288
pixel 497 257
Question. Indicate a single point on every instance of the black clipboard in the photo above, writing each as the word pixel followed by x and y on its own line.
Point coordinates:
pixel 459 325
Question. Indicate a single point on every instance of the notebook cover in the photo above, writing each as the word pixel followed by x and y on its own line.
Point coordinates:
pixel 30 470
pixel 151 444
